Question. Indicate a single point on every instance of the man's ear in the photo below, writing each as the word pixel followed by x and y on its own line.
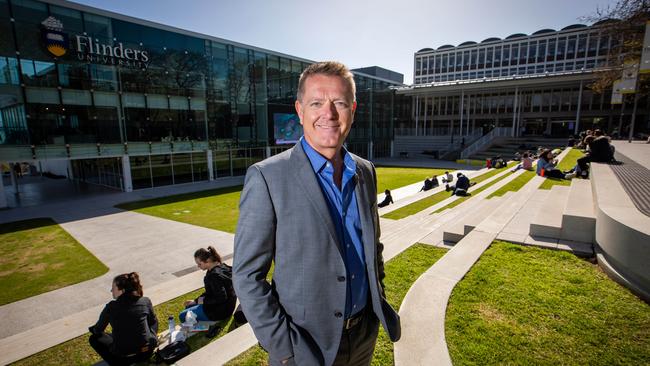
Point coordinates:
pixel 298 107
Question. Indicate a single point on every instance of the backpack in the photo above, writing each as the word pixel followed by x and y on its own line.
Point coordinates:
pixel 172 352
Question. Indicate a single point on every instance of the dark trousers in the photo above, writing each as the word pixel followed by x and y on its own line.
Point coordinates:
pixel 102 342
pixel 554 173
pixel 358 343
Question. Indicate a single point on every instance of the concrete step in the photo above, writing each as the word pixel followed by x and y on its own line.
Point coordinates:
pixel 578 219
pixel 548 221
pixel 464 225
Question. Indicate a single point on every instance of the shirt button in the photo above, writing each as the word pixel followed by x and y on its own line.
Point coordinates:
pixel 354 306
pixel 338 314
pixel 341 278
pixel 352 276
pixel 348 245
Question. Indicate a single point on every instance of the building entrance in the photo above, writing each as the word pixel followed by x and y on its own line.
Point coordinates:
pixel 105 172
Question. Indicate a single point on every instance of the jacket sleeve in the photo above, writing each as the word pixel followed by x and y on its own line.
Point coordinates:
pixel 254 249
pixel 102 322
pixel 151 318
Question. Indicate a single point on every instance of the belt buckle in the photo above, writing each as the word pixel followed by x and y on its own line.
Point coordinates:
pixel 351 322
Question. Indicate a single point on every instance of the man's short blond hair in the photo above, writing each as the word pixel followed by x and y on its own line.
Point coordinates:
pixel 329 68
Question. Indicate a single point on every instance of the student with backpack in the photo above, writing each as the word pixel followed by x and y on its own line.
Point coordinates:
pixel 218 300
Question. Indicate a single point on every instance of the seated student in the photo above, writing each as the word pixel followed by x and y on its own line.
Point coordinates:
pixel 448 178
pixel 434 181
pixel 546 166
pixel 133 321
pixel 428 184
pixel 388 199
pixel 526 163
pixel 600 150
pixel 218 300
pixel 461 187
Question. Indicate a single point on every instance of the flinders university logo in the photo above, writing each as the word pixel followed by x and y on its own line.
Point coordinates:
pixel 53 37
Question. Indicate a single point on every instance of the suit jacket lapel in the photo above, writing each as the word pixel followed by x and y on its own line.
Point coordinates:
pixel 367 226
pixel 306 179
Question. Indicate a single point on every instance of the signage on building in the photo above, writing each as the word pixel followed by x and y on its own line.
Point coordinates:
pixel 87 49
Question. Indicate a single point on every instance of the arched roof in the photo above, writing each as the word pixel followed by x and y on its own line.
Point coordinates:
pixel 467 43
pixel 574 26
pixel 491 39
pixel 516 35
pixel 605 21
pixel 426 49
pixel 445 46
pixel 546 30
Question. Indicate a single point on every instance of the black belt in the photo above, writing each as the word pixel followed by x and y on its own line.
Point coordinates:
pixel 354 320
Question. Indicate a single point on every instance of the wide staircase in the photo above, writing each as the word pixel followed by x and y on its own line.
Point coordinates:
pixel 507 147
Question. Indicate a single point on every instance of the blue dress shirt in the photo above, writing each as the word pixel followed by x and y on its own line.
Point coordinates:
pixel 342 204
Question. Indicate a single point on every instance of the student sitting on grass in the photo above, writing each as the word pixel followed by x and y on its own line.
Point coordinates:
pixel 388 199
pixel 461 187
pixel 526 163
pixel 448 178
pixel 218 300
pixel 133 321
pixel 546 166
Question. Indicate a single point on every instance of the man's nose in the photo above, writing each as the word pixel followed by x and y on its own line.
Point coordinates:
pixel 329 109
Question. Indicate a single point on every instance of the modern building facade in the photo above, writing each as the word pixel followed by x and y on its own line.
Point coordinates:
pixel 127 103
pixel 536 84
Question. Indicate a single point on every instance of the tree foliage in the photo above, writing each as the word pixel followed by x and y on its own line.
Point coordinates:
pixel 625 22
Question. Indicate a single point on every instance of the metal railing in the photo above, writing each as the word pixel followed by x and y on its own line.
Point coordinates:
pixel 484 141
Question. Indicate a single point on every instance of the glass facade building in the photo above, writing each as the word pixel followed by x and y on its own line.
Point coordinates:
pixel 538 84
pixel 79 83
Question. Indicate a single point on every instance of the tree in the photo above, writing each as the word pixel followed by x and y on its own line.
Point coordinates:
pixel 625 23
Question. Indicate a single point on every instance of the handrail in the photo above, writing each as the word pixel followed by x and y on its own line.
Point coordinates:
pixel 484 141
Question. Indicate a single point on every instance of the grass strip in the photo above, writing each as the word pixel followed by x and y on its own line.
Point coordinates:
pixel 473 192
pixel 37 256
pixel 522 305
pixel 216 209
pixel 396 177
pixel 568 162
pixel 515 184
pixel 401 272
pixel 429 201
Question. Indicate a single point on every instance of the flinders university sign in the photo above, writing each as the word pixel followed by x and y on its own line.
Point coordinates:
pixel 58 43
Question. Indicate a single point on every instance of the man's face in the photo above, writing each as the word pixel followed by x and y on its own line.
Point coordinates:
pixel 326 113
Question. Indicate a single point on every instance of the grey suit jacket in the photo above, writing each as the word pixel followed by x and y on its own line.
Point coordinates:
pixel 284 219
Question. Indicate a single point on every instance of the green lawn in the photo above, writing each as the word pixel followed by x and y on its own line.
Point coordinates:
pixel 219 208
pixel 522 305
pixel 396 177
pixel 38 256
pixel 427 202
pixel 77 351
pixel 569 161
pixel 401 272
pixel 215 209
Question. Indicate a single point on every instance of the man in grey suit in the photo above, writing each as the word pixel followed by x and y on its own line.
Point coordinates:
pixel 312 212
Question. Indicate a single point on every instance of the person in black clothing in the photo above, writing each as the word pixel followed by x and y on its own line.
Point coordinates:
pixel 461 187
pixel 600 151
pixel 218 300
pixel 388 199
pixel 133 321
pixel 428 184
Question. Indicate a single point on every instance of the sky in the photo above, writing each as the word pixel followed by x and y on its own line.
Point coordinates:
pixel 359 33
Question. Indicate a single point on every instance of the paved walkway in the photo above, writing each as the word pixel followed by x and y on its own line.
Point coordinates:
pixel 125 241
pixel 638 151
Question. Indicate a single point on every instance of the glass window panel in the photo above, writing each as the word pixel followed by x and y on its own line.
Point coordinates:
pixel 78 97
pixel 140 172
pixel 177 102
pixel 133 100
pixel 106 99
pixel 161 169
pixel 199 166
pixel 41 95
pixel 182 168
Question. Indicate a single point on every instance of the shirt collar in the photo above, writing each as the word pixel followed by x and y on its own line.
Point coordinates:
pixel 318 162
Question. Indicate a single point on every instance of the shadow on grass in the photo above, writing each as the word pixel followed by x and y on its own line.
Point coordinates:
pixel 29 224
pixel 135 205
